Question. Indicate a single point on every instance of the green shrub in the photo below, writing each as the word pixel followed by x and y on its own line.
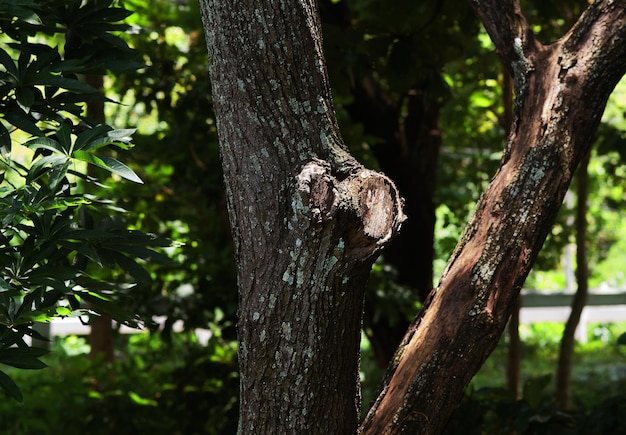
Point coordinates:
pixel 154 387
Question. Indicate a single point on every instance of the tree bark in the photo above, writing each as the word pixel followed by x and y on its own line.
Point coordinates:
pixel 561 91
pixel 566 350
pixel 307 219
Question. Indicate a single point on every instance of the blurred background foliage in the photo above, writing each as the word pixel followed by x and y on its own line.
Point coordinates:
pixel 421 95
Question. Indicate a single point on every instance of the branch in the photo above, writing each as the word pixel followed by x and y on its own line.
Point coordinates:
pixel 598 40
pixel 366 195
pixel 508 29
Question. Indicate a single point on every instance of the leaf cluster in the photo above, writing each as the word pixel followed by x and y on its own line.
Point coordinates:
pixel 177 155
pixel 59 245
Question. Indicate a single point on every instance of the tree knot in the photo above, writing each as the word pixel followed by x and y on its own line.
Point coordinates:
pixel 317 189
pixel 365 206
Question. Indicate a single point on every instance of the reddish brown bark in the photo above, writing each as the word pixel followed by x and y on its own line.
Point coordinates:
pixel 561 91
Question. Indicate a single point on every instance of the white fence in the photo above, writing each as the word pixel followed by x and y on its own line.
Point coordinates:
pixel 602 306
pixel 62 327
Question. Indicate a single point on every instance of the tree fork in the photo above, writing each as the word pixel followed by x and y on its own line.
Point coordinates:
pixel 561 91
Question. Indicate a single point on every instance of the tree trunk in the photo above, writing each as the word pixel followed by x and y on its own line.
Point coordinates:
pixel 409 155
pixel 307 219
pixel 561 91
pixel 564 367
pixel 513 356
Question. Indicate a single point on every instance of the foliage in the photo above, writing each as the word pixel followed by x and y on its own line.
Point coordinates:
pixel 177 156
pixel 177 387
pixel 161 387
pixel 599 381
pixel 56 239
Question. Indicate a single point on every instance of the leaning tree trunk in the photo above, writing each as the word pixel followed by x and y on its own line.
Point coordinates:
pixel 561 91
pixel 307 219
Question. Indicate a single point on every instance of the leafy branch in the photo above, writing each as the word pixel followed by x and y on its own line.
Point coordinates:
pixel 59 245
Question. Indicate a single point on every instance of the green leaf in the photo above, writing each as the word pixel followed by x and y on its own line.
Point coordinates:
pixel 102 305
pixel 8 63
pixel 132 267
pixel 23 358
pixel 45 143
pixel 118 138
pixel 622 339
pixel 25 98
pixel 43 165
pixel 64 134
pixel 44 57
pixel 23 122
pixel 108 163
pixel 141 400
pixel 121 135
pixel 63 311
pixel 70 85
pixel 10 387
pixel 57 175
pixel 83 139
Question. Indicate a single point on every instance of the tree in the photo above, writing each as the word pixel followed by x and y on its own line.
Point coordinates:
pixel 308 220
pixel 564 367
pixel 58 243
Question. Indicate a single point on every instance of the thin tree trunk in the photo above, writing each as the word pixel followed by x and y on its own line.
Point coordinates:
pixel 409 155
pixel 514 354
pixel 566 351
pixel 101 333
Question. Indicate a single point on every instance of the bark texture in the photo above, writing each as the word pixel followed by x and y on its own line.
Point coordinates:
pixel 307 219
pixel 561 91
